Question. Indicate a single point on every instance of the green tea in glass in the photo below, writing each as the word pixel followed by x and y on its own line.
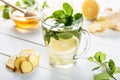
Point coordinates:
pixel 62 31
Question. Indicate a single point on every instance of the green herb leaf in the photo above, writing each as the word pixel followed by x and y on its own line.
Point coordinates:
pixel 58 13
pixel 95 68
pixel 77 16
pixel 111 66
pixel 54 35
pixel 29 2
pixel 18 3
pixel 23 1
pixel 47 38
pixel 100 57
pixel 6 13
pixel 90 59
pixel 102 76
pixel 67 9
pixel 2 7
pixel 67 20
pixel 77 33
pixel 45 5
pixel 65 35
pixel 117 70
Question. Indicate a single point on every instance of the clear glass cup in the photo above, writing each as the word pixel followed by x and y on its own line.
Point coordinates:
pixel 62 42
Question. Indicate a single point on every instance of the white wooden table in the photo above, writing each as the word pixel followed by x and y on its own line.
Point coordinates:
pixel 12 42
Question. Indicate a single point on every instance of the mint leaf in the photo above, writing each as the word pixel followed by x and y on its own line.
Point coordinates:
pixel 67 9
pixel 117 70
pixel 66 19
pixel 102 76
pixel 100 57
pixel 77 16
pixel 47 38
pixel 54 35
pixel 65 35
pixel 90 59
pixel 23 1
pixel 18 3
pixel 5 13
pixel 58 13
pixel 95 68
pixel 77 33
pixel 29 2
pixel 111 65
pixel 2 7
pixel 44 5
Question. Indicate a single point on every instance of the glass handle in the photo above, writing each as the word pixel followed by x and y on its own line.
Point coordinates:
pixel 87 44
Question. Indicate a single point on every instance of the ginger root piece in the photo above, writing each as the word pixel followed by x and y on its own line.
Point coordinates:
pixel 34 59
pixel 109 20
pixel 100 25
pixel 18 62
pixel 26 67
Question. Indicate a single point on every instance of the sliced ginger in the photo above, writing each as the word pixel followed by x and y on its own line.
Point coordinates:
pixel 26 67
pixel 25 62
pixel 34 59
pixel 18 62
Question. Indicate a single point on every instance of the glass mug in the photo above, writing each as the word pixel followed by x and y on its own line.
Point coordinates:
pixel 62 42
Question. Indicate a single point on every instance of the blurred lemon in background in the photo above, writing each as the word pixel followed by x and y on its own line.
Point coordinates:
pixel 90 9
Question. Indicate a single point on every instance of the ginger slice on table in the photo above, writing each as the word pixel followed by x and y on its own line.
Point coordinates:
pixel 26 67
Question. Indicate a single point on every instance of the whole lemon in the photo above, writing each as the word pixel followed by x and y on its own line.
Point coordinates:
pixel 90 9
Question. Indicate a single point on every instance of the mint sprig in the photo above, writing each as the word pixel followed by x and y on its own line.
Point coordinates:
pixel 44 5
pixel 5 14
pixel 66 15
pixel 109 67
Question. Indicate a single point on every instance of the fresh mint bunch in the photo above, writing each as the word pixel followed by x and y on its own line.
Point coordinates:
pixel 109 67
pixel 66 15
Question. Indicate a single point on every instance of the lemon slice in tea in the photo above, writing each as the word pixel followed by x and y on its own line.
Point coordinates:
pixel 64 46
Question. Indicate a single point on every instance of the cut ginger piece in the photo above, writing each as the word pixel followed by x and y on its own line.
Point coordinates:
pixel 100 25
pixel 18 62
pixel 10 63
pixel 27 52
pixel 34 59
pixel 26 67
pixel 96 27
